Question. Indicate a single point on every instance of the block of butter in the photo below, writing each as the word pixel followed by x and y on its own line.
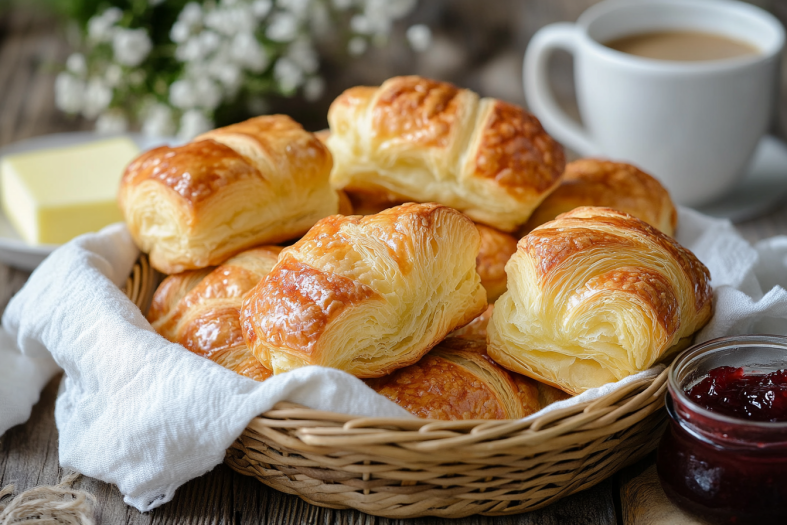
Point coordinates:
pixel 51 196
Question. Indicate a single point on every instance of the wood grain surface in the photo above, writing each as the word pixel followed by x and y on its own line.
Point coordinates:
pixel 30 45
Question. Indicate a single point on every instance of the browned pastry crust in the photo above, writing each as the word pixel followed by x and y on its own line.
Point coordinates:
pixel 368 294
pixel 475 329
pixel 493 254
pixel 495 251
pixel 617 185
pixel 458 380
pixel 594 296
pixel 415 139
pixel 200 309
pixel 261 181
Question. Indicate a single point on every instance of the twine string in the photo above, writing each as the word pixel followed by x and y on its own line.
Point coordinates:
pixel 59 504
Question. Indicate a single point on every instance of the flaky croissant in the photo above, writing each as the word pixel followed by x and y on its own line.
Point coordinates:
pixel 493 254
pixel 200 309
pixel 261 181
pixel 594 296
pixel 415 139
pixel 368 294
pixel 458 380
pixel 617 185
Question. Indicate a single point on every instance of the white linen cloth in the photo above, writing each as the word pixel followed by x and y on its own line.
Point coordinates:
pixel 147 415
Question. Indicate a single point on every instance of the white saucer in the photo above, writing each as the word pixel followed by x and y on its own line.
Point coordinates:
pixel 763 189
pixel 13 250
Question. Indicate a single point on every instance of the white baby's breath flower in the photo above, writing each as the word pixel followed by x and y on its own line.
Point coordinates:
pixel 261 8
pixel 101 27
pixel 283 27
pixel 361 24
pixel 207 93
pixel 303 55
pixel 247 51
pixel 191 15
pixel 158 121
pixel 131 46
pixel 230 20
pixel 227 73
pixel 180 32
pixel 192 123
pixel 313 89
pixel 299 8
pixel 76 64
pixel 208 42
pixel 182 94
pixel 113 75
pixel 420 37
pixel 190 51
pixel 357 46
pixel 288 75
pixel 98 95
pixel 69 92
pixel 112 121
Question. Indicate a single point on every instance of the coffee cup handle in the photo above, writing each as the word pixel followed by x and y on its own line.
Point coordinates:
pixel 539 96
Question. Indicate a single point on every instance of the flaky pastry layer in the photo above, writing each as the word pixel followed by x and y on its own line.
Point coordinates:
pixel 616 185
pixel 458 380
pixel 368 294
pixel 200 309
pixel 261 181
pixel 594 296
pixel 415 139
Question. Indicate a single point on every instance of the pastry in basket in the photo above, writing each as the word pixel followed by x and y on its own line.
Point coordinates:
pixel 493 254
pixel 261 181
pixel 415 139
pixel 458 380
pixel 475 329
pixel 495 251
pixel 368 294
pixel 200 309
pixel 594 296
pixel 617 185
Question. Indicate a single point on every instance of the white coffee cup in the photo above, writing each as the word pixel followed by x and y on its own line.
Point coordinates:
pixel 694 125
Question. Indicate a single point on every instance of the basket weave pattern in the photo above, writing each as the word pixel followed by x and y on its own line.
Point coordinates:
pixel 402 468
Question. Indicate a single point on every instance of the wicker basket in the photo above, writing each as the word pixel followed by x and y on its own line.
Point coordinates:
pixel 403 468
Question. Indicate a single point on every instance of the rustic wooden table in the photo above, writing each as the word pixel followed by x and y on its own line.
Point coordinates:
pixel 28 452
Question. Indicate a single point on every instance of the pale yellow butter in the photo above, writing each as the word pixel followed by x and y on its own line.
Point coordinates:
pixel 51 196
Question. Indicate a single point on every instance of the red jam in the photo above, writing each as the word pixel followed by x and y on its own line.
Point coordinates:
pixel 723 457
pixel 732 392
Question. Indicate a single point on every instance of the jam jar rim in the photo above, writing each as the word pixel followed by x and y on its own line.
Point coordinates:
pixel 718 344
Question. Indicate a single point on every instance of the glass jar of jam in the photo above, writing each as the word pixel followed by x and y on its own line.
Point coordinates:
pixel 724 454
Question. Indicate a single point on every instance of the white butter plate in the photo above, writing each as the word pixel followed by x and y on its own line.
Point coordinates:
pixel 13 250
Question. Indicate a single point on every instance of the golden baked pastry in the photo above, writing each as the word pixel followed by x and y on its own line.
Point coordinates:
pixel 475 329
pixel 594 296
pixel 617 185
pixel 493 254
pixel 261 181
pixel 368 294
pixel 458 380
pixel 496 248
pixel 415 139
pixel 200 309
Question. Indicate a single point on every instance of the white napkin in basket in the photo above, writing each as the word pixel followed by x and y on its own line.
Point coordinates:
pixel 147 415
